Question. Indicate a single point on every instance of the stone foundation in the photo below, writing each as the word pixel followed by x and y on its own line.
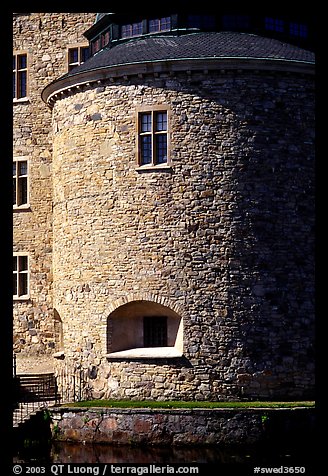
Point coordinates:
pixel 181 427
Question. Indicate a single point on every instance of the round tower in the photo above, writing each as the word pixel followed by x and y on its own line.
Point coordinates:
pixel 183 211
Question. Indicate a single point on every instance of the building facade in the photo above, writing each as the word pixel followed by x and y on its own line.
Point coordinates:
pixel 174 182
pixel 44 46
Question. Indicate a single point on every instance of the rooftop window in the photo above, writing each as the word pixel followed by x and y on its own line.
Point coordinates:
pixel 274 24
pixel 296 29
pixel 159 24
pixel 132 29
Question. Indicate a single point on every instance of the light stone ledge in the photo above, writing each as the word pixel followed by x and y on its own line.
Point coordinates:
pixel 146 353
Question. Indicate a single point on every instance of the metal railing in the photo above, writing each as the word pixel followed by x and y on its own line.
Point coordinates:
pixel 32 393
pixel 73 384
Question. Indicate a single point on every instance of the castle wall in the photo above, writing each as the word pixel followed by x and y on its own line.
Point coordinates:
pixel 224 238
pixel 45 38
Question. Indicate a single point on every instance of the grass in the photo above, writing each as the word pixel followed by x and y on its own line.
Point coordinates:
pixel 184 404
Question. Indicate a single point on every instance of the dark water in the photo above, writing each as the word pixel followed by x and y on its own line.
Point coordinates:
pixel 63 452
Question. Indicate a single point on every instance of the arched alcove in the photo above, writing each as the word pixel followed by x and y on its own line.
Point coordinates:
pixel 144 329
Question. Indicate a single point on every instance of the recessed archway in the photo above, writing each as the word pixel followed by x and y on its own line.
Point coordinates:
pixel 144 328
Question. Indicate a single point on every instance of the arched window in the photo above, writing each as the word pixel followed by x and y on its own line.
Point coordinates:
pixel 144 329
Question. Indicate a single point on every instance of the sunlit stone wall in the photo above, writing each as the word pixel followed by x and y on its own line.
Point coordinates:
pixel 223 237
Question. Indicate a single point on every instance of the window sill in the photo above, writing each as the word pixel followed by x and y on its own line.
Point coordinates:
pixel 146 353
pixel 153 168
pixel 22 208
pixel 21 100
pixel 21 298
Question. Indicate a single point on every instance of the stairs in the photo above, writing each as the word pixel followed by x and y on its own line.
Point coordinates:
pixel 34 393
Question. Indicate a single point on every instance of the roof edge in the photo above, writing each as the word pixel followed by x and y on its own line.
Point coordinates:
pixel 65 84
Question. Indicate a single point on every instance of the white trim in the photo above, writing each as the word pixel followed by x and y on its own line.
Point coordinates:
pixel 146 353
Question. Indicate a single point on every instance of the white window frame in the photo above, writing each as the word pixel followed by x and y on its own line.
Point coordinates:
pixel 18 272
pixel 17 71
pixel 26 205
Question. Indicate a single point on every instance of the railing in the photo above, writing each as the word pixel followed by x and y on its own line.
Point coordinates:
pixel 33 392
pixel 73 384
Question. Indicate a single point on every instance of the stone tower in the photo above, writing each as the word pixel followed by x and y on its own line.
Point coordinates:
pixel 182 208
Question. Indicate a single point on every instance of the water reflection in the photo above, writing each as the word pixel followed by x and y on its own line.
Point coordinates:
pixel 63 452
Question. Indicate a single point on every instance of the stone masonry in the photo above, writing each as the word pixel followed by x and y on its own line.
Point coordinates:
pixel 45 38
pixel 220 240
pixel 207 238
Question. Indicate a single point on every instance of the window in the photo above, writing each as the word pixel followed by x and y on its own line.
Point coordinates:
pixel 153 137
pixel 19 76
pixel 20 182
pixel 95 45
pixel 77 55
pixel 105 39
pixel 234 22
pixel 296 29
pixel 206 22
pixel 274 24
pixel 155 331
pixel 159 24
pixel 21 276
pixel 133 29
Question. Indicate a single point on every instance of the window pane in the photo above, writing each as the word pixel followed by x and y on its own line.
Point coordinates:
pixel 126 31
pixel 165 23
pixel 145 150
pixel 22 84
pixel 154 25
pixel 22 284
pixel 137 28
pixel 22 62
pixel 15 290
pixel 146 122
pixel 22 168
pixel 161 121
pixel 296 29
pixel 22 191
pixel 22 263
pixel 14 62
pixel 14 192
pixel 14 169
pixel 14 85
pixel 85 51
pixel 15 263
pixel 274 24
pixel 161 148
pixel 73 55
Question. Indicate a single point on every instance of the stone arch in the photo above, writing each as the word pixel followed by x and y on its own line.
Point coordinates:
pixel 132 319
pixel 165 301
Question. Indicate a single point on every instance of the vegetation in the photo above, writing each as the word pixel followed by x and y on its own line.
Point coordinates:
pixel 184 404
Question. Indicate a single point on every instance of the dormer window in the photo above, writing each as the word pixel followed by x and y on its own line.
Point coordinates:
pixel 274 24
pixel 159 24
pixel 132 29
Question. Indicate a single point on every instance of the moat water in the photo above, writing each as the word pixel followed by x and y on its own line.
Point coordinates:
pixel 62 452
